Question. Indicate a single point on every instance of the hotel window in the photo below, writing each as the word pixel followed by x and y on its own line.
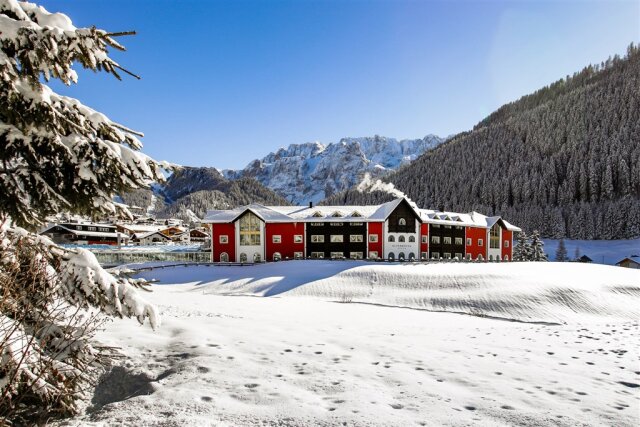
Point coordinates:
pixel 317 238
pixel 224 257
pixel 402 221
pixel 458 240
pixel 469 241
pixel 317 254
pixel 435 240
pixel 91 229
pixel 373 254
pixel 297 255
pixel 249 230
pixel 224 239
pixel 297 238
pixel 494 237
pixel 425 239
pixel 435 225
pixel 337 255
pixel 373 238
pixel 468 257
pixel 447 240
pixel 243 257
pixel 276 238
pixel 424 255
pixel 447 255
pixel 401 239
pixel 355 255
pixel 412 239
pixel 506 243
pixel 480 242
pixel 277 256
pixel 435 255
pixel 458 256
pixel 104 230
pixel 337 238
pixel 356 238
pixel 392 239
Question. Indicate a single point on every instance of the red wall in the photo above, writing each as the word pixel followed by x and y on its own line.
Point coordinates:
pixel 475 233
pixel 286 232
pixel 218 248
pixel 507 235
pixel 376 228
pixel 424 247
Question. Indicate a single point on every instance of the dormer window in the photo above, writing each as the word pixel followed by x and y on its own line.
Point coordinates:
pixel 317 214
pixel 402 221
pixel 356 214
pixel 336 214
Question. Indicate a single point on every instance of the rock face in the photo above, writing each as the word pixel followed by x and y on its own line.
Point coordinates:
pixel 312 171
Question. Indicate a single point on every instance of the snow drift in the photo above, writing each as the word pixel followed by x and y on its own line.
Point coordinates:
pixel 529 292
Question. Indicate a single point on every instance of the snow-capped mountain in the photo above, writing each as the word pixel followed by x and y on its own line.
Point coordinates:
pixel 312 171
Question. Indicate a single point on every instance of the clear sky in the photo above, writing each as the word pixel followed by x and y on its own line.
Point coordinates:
pixel 224 82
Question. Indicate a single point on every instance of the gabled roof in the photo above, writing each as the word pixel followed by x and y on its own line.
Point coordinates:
pixel 83 232
pixel 629 260
pixel 150 233
pixel 363 213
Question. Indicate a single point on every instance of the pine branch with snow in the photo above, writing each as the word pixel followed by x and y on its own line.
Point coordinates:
pixel 57 155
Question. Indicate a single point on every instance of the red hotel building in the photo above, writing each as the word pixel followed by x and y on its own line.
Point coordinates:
pixel 396 230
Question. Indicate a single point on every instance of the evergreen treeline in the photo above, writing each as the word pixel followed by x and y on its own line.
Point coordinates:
pixel 564 160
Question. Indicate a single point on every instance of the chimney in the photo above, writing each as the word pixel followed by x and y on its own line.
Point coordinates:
pixel 310 205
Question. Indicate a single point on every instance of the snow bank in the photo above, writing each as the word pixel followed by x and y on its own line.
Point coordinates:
pixel 529 292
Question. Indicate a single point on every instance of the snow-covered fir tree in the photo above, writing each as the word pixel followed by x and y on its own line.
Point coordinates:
pixel 537 248
pixel 56 155
pixel 522 249
pixel 561 252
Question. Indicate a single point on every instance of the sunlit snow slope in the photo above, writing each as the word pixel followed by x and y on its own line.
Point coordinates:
pixel 531 292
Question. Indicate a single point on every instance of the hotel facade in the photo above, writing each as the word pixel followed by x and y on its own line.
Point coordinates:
pixel 395 231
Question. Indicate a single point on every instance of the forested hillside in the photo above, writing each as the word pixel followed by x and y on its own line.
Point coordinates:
pixel 190 192
pixel 564 160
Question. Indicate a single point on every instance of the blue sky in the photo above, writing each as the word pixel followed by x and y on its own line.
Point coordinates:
pixel 224 82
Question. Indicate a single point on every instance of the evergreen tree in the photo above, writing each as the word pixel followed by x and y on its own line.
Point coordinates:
pixel 522 250
pixel 537 247
pixel 561 252
pixel 56 155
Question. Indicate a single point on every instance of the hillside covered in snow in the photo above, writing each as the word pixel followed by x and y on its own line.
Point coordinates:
pixel 365 344
pixel 311 172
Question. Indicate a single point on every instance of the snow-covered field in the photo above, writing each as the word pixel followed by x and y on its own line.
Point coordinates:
pixel 351 343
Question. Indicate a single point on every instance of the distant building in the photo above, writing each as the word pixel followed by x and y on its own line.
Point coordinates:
pixel 85 234
pixel 628 263
pixel 150 238
pixel 584 258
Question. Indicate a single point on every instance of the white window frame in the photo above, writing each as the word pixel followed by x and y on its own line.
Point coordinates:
pixel 469 241
pixel 317 255
pixel 435 255
pixel 223 239
pixel 336 238
pixel 435 240
pixel 297 238
pixel 356 238
pixel 276 238
pixel 424 255
pixel 402 222
pixel 373 254
pixel 506 243
pixel 458 239
pixel 356 255
pixel 480 242
pixel 373 238
pixel 425 239
pixel 459 256
pixel 446 240
pixel 317 238
pixel 298 255
pixel 335 255
pixel 446 255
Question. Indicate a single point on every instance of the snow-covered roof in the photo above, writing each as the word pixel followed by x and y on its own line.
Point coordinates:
pixel 352 213
pixel 138 228
pixel 84 233
pixel 139 236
